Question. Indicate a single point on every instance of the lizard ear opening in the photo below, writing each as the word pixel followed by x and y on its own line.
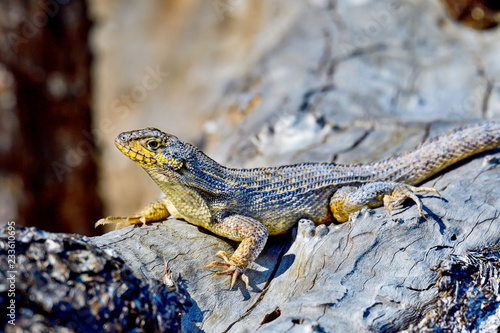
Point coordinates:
pixel 177 165
pixel 175 162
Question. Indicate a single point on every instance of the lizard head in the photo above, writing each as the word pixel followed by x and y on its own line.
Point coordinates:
pixel 152 149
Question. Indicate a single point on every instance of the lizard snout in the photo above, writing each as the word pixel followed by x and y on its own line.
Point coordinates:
pixel 123 137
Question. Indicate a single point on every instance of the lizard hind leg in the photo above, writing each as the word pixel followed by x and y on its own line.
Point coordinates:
pixel 351 199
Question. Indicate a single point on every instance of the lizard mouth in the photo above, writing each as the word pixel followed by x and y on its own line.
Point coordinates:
pixel 134 150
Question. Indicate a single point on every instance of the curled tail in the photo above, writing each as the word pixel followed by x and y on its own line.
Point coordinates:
pixel 433 155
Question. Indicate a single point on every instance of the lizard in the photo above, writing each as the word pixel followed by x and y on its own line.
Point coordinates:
pixel 249 205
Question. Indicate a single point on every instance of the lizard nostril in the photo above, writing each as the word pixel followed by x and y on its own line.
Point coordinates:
pixel 123 137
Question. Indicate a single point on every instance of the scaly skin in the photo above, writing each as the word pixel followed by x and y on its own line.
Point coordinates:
pixel 248 205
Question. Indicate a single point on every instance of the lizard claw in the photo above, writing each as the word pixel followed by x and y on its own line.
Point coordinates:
pixel 121 222
pixel 403 192
pixel 232 269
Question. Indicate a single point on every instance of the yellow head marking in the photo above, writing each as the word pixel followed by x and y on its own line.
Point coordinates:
pixel 152 148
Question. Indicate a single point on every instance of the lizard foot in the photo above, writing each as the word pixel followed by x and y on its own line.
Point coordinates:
pixel 232 268
pixel 122 222
pixel 402 192
pixel 155 211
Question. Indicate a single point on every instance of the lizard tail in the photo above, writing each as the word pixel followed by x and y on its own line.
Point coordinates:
pixel 432 156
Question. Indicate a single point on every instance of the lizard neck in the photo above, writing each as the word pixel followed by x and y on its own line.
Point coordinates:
pixel 199 173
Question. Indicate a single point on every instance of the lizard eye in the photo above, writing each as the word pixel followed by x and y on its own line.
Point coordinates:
pixel 153 144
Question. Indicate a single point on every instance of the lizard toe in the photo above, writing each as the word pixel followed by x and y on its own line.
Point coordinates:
pixel 402 192
pixel 225 257
pixel 231 268
pixel 217 264
pixel 119 220
pixel 239 273
pixel 234 272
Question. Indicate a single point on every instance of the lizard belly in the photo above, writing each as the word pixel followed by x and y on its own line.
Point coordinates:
pixel 190 206
pixel 282 225
pixel 280 219
pixel 278 211
pixel 173 211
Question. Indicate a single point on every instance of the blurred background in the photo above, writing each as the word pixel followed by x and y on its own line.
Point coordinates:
pixel 217 73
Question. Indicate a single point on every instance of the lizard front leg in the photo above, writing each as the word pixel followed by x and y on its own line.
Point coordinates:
pixel 351 199
pixel 253 236
pixel 155 211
